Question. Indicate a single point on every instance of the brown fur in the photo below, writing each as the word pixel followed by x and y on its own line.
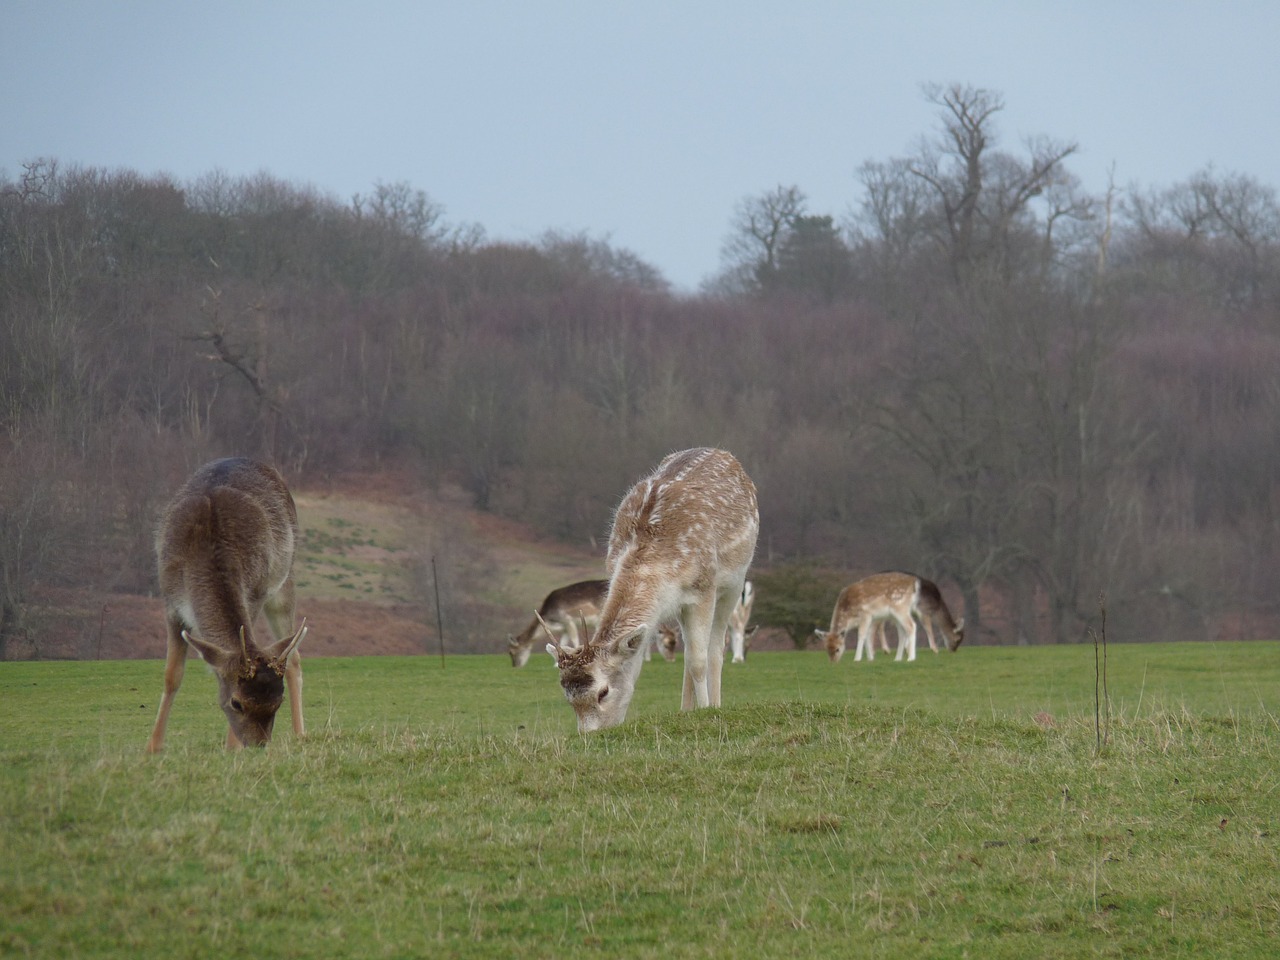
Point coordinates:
pixel 566 607
pixel 225 552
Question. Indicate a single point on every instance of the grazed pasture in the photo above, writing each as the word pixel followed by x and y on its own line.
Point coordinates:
pixel 954 807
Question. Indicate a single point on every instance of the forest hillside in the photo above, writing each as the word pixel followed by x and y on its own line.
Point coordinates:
pixel 1045 400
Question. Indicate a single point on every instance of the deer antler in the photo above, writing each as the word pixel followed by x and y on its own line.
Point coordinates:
pixel 247 668
pixel 546 628
pixel 279 661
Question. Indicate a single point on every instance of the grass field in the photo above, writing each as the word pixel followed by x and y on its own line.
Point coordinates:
pixel 955 807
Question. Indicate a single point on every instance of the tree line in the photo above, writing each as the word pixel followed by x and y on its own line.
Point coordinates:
pixel 1042 398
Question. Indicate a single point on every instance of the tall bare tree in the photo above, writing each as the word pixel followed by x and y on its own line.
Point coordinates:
pixel 982 195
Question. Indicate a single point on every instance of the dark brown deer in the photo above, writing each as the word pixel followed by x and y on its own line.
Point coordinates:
pixel 225 551
pixel 682 541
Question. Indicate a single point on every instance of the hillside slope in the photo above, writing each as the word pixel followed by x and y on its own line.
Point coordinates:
pixel 365 580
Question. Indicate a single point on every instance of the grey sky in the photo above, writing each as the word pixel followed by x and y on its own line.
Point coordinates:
pixel 643 123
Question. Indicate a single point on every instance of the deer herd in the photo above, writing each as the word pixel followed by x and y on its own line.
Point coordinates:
pixel 681 544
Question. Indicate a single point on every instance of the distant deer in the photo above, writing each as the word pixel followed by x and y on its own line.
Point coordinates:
pixel 563 610
pixel 885 596
pixel 682 541
pixel 225 551
pixel 666 641
pixel 737 637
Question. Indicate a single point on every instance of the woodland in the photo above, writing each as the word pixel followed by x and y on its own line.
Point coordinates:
pixel 1057 404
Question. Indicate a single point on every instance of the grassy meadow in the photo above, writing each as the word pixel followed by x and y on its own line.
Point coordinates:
pixel 954 807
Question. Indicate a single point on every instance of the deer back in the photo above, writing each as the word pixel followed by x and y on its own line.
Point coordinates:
pixel 225 545
pixel 688 527
pixel 583 598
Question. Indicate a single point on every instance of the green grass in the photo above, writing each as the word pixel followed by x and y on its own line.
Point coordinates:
pixel 343 558
pixel 883 809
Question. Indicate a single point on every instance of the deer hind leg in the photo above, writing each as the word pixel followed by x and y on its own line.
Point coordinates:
pixel 695 623
pixel 906 637
pixel 175 664
pixel 715 645
pixel 280 612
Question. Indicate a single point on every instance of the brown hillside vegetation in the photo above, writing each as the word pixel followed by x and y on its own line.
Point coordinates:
pixel 363 576
pixel 1033 396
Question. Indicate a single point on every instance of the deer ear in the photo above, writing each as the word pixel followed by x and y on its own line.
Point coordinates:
pixel 554 651
pixel 631 643
pixel 211 653
pixel 279 653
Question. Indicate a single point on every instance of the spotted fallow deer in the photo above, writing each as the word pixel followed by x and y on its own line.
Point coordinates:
pixel 563 611
pixel 884 596
pixel 682 540
pixel 225 551
pixel 737 638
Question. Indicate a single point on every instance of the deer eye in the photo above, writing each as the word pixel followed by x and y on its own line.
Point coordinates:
pixel 236 705
pixel 604 692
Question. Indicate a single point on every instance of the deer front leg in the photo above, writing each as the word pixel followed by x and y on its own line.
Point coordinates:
pixel 928 632
pixel 293 682
pixel 866 642
pixel 175 664
pixel 280 613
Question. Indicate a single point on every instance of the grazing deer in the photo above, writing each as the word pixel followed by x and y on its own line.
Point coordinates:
pixel 666 641
pixel 737 638
pixel 563 610
pixel 682 541
pixel 225 551
pixel 884 596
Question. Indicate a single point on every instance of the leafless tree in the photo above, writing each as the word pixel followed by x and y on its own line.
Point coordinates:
pixel 760 226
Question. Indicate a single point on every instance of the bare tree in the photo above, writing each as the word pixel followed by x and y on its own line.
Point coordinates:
pixel 982 195
pixel 760 226
pixel 1220 230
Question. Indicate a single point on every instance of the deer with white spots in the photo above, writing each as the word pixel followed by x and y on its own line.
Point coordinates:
pixel 867 603
pixel 225 550
pixel 682 541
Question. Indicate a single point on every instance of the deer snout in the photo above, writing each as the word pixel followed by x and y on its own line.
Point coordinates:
pixel 252 732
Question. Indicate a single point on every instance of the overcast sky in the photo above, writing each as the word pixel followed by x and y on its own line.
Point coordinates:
pixel 640 123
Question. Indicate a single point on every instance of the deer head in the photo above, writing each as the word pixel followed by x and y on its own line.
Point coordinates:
pixel 250 685
pixel 519 651
pixel 599 680
pixel 833 641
